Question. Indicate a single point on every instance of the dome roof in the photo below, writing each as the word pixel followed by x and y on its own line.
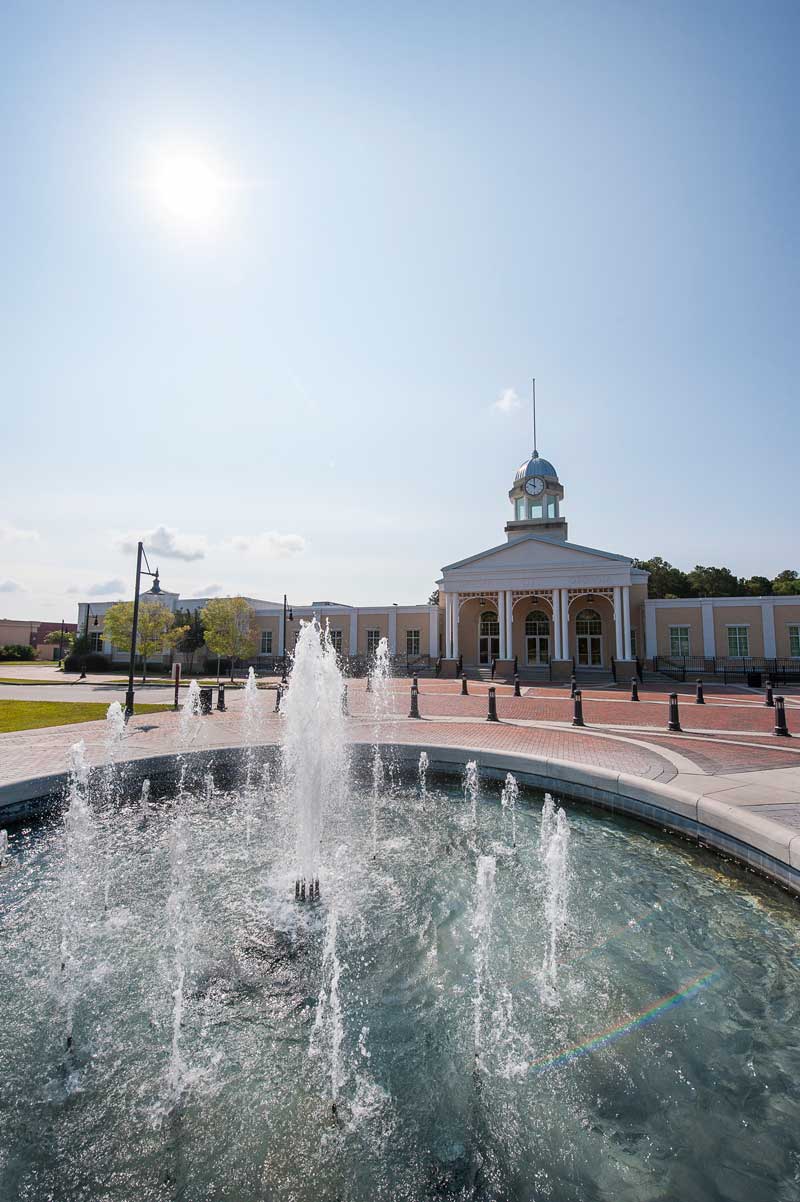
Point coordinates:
pixel 536 466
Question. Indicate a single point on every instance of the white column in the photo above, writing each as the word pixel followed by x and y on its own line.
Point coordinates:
pixel 393 630
pixel 565 652
pixel 502 618
pixel 618 620
pixel 433 634
pixel 455 625
pixel 626 619
pixel 557 624
pixel 709 641
pixel 448 626
pixel 510 623
pixel 354 632
pixel 768 620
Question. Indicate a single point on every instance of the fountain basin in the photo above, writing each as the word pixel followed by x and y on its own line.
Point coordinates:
pixel 658 1065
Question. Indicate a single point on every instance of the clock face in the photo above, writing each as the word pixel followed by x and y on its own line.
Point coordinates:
pixel 534 486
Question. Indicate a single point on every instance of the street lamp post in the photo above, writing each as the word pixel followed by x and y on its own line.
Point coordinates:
pixel 291 618
pixel 129 697
pixel 85 639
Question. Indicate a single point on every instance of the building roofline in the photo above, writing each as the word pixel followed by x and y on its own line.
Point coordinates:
pixel 538 538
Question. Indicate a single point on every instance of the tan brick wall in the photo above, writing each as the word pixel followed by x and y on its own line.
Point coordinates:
pixel 680 615
pixel 785 616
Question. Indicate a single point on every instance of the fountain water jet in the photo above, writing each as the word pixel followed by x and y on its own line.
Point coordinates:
pixel 422 773
pixel 313 749
pixel 508 800
pixel 553 858
pixel 77 868
pixel 481 933
pixel 329 1023
pixel 471 789
pixel 4 856
pixel 180 926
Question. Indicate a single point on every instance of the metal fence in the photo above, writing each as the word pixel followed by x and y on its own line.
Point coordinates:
pixel 678 667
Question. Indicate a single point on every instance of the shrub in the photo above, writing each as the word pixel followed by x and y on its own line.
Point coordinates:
pixel 94 662
pixel 20 651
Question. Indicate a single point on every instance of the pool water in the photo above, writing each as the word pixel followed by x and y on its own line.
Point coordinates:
pixel 401 1038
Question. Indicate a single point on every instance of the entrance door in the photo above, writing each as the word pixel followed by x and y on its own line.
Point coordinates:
pixel 537 638
pixel 488 638
pixel 589 637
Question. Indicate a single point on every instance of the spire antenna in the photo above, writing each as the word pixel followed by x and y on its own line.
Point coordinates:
pixel 535 452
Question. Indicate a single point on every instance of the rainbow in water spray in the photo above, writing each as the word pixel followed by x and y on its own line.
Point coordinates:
pixel 687 991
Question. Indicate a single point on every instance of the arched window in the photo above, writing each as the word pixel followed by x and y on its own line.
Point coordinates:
pixel 588 622
pixel 537 622
pixel 490 625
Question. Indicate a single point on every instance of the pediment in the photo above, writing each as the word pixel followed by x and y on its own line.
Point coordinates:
pixel 539 556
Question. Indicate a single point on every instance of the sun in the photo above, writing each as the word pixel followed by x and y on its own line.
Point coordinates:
pixel 189 189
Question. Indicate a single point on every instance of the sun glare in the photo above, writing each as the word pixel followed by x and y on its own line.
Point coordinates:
pixel 189 189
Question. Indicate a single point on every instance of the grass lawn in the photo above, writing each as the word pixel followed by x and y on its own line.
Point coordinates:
pixel 28 715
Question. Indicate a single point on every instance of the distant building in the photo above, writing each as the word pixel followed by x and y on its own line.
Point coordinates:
pixel 17 632
pixel 537 600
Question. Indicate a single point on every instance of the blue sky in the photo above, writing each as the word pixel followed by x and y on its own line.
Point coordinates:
pixel 419 207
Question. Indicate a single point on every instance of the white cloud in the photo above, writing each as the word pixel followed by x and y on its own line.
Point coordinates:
pixel 270 544
pixel 507 402
pixel 105 587
pixel 11 586
pixel 14 534
pixel 166 543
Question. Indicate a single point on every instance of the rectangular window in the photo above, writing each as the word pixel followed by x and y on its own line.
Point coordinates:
pixel 266 642
pixel 373 638
pixel 536 510
pixel 794 642
pixel 95 640
pixel 520 511
pixel 412 642
pixel 336 640
pixel 633 643
pixel 679 640
pixel 552 507
pixel 738 642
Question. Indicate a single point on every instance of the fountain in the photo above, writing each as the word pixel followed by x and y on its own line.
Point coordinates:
pixel 508 800
pixel 313 748
pixel 4 856
pixel 553 850
pixel 442 1023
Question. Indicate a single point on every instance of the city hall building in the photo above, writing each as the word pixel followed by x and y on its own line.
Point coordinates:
pixel 536 601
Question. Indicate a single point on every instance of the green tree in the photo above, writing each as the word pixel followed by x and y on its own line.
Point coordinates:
pixel 714 582
pixel 786 583
pixel 55 636
pixel 757 586
pixel 195 636
pixel 665 580
pixel 156 628
pixel 230 629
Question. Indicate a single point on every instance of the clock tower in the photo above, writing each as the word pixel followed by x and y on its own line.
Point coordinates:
pixel 536 497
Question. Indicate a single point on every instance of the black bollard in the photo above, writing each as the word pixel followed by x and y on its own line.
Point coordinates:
pixel 345 706
pixel 464 689
pixel 699 698
pixel 494 667
pixel 516 664
pixel 577 714
pixel 634 690
pixel 780 718
pixel 769 700
pixel 278 699
pixel 415 682
pixel 517 692
pixel 674 718
pixel 573 686
pixel 492 714
pixel 414 711
pixel 369 683
pixel 221 698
